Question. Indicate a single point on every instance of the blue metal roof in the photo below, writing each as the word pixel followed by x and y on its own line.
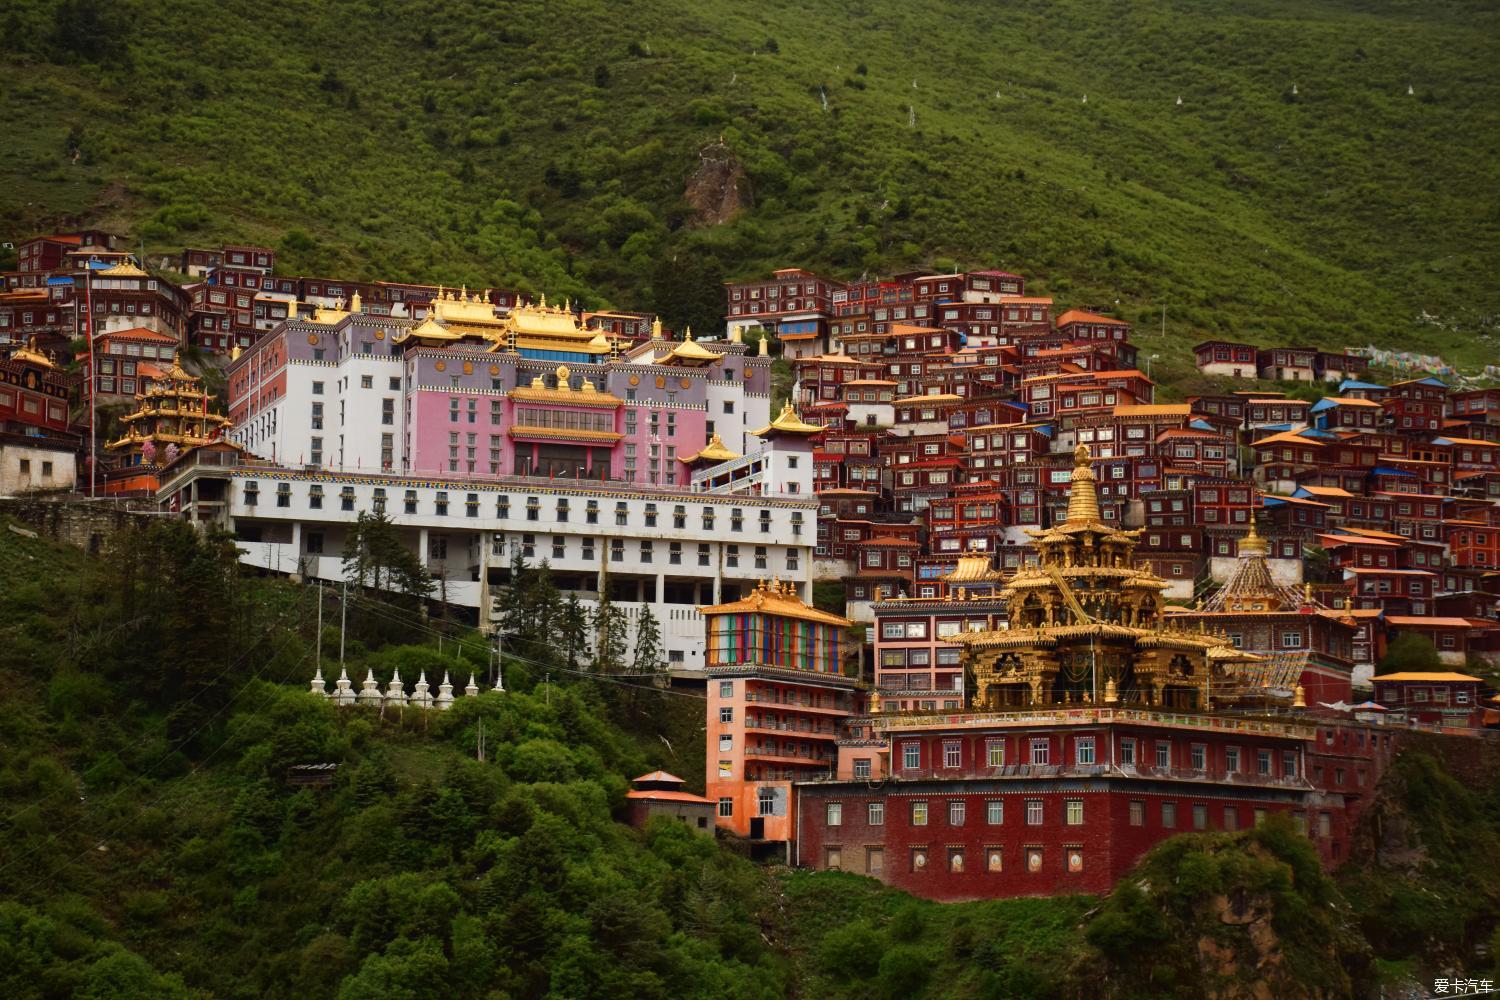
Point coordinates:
pixel 1386 470
pixel 1350 383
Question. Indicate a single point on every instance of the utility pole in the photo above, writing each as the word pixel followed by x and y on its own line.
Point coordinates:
pixel 88 331
pixel 1163 321
pixel 343 621
pixel 479 750
pixel 548 682
pixel 320 627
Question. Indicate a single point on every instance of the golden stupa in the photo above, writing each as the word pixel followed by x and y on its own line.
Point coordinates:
pixel 1086 625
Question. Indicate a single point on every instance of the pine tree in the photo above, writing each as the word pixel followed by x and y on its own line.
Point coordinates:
pixel 648 651
pixel 573 631
pixel 610 628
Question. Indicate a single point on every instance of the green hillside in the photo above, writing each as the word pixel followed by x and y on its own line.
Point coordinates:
pixel 549 146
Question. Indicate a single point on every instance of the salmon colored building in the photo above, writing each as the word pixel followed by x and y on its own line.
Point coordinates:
pixel 776 696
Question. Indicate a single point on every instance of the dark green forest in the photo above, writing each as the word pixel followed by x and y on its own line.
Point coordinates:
pixel 152 844
pixel 1328 176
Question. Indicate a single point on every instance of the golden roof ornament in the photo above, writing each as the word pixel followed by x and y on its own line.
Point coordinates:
pixel 765 346
pixel 1299 697
pixel 656 328
pixel 1083 502
pixel 1253 543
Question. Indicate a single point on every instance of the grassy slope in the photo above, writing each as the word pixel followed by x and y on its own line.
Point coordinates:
pixel 1337 217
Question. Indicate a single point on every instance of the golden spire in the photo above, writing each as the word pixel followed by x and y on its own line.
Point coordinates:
pixel 1252 544
pixel 687 333
pixel 1083 502
pixel 656 328
pixel 765 346
pixel 1299 697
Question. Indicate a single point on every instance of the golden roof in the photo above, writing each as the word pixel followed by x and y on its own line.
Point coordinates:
pixel 31 355
pixel 124 269
pixel 777 598
pixel 565 433
pixel 690 351
pixel 714 451
pixel 787 422
pixel 463 307
pixel 587 395
pixel 973 569
pixel 428 329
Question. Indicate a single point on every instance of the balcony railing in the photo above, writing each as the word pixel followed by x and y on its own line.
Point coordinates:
pixel 1033 771
pixel 636 485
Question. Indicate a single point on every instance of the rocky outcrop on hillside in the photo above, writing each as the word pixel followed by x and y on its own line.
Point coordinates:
pixel 718 190
pixel 1246 916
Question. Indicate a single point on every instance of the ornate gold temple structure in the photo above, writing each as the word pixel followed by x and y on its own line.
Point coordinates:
pixel 1086 626
pixel 453 316
pixel 172 411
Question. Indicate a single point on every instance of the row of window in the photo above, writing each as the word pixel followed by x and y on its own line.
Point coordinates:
pixel 1085 753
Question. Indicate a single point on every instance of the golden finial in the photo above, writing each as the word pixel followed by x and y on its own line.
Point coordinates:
pixel 1307 592
pixel 1299 697
pixel 1081 457
pixel 656 328
pixel 765 346
pixel 1111 692
pixel 687 333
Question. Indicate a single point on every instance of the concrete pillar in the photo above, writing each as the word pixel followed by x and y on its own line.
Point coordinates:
pixel 297 551
pixel 422 545
pixel 718 572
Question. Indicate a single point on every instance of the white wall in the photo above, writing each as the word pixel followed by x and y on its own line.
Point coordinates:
pixel 63 475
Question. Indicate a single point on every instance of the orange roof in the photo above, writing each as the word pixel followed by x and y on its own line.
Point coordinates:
pixel 1153 410
pixel 1350 401
pixel 1416 621
pixel 665 796
pixel 1328 491
pixel 1024 300
pixel 1288 437
pixel 1419 676
pixel 1377 571
pixel 1079 316
pixel 776 599
pixel 139 333
pixel 891 541
pixel 1372 533
pixel 659 776
pixel 1333 539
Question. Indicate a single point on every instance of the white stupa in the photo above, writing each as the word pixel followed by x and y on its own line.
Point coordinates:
pixel 369 692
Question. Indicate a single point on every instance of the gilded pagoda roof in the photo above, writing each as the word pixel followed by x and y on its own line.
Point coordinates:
pixel 124 269
pixel 973 569
pixel 714 451
pixel 587 395
pixel 30 355
pixel 428 329
pixel 689 351
pixel 787 422
pixel 777 598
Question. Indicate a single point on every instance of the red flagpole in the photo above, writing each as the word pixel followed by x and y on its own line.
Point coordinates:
pixel 88 332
